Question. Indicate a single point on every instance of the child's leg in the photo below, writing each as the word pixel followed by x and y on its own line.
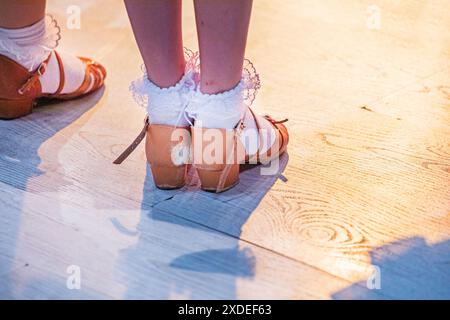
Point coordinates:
pixel 19 14
pixel 222 28
pixel 157 28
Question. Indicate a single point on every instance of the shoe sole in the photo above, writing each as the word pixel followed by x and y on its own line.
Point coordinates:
pixel 13 109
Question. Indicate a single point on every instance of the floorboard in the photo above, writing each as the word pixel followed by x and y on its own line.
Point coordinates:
pixel 362 194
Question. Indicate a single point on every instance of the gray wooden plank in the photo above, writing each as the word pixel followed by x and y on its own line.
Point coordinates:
pixel 365 182
pixel 137 254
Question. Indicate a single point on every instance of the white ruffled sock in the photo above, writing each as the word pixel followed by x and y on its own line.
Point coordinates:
pixel 30 46
pixel 165 105
pixel 250 137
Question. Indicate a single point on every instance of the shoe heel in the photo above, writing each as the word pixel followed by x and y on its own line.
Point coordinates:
pixel 167 149
pixel 12 109
pixel 167 178
pixel 210 178
pixel 216 158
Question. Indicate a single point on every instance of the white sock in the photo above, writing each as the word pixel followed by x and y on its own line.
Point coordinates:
pixel 31 45
pixel 221 110
pixel 164 105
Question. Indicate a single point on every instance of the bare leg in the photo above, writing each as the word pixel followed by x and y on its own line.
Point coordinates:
pixel 222 28
pixel 21 13
pixel 157 29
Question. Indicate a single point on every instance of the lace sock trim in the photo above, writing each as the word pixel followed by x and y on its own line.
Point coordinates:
pixel 163 105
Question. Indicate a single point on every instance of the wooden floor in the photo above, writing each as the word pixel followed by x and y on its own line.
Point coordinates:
pixel 363 195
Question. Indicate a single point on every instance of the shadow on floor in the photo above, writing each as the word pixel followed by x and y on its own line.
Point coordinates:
pixel 408 257
pixel 201 230
pixel 20 161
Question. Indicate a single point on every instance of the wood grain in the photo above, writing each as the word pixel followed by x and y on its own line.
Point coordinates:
pixel 365 183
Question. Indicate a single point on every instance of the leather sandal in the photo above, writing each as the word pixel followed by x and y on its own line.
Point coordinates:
pixel 220 172
pixel 278 147
pixel 20 89
pixel 167 149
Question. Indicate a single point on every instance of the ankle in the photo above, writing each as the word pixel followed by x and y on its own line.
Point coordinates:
pixel 166 105
pixel 167 77
pixel 29 46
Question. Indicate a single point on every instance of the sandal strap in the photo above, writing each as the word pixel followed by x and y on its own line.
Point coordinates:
pixel 88 81
pixel 268 153
pixel 271 153
pixel 62 76
pixel 92 81
pixel 230 153
pixel 134 144
pixel 34 78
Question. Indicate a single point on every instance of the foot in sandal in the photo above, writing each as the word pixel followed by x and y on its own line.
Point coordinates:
pixel 227 133
pixel 31 68
pixel 218 132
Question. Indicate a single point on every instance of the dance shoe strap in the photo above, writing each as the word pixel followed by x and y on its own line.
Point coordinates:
pixel 33 80
pixel 134 144
pixel 231 153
